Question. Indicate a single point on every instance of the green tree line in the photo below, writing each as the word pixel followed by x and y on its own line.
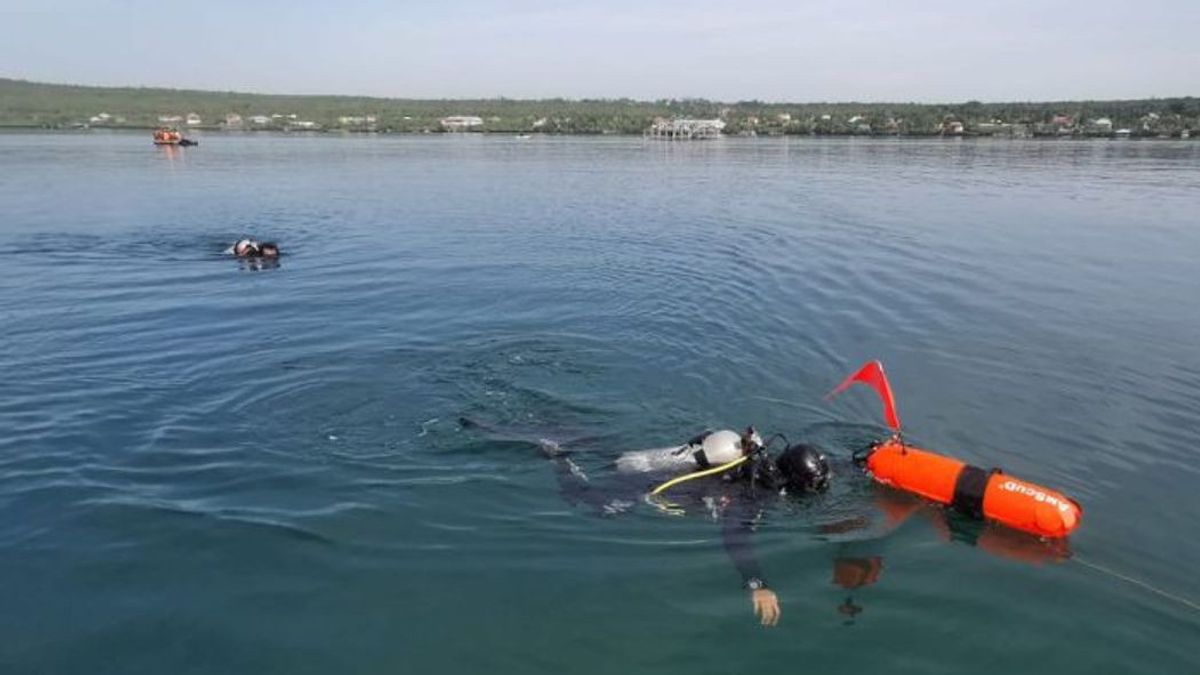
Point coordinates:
pixel 33 104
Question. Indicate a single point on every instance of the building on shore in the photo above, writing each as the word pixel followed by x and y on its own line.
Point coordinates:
pixel 685 129
pixel 461 122
pixel 994 127
pixel 952 128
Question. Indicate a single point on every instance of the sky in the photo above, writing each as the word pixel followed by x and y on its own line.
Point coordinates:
pixel 769 50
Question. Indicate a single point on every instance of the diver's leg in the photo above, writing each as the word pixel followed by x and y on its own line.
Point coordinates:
pixel 573 483
pixel 577 488
pixel 571 478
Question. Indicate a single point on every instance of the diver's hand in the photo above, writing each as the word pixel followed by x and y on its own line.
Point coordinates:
pixel 766 605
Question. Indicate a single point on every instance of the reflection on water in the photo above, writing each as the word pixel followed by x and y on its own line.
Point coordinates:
pixel 258 264
pixel 859 562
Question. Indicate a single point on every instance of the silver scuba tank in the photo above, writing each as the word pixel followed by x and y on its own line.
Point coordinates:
pixel 714 449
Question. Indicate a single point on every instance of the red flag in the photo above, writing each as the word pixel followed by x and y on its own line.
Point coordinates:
pixel 872 375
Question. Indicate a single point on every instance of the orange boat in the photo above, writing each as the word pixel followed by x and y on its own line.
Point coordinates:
pixel 169 136
pixel 991 495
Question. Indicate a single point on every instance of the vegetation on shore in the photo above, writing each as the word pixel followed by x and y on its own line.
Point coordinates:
pixel 32 104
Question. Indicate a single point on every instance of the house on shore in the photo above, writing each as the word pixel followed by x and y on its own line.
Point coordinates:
pixel 461 122
pixel 357 121
pixel 1059 125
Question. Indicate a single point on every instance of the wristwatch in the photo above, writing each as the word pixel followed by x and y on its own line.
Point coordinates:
pixel 754 583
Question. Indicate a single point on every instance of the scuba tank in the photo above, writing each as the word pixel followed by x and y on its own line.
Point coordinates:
pixel 708 449
pixel 799 469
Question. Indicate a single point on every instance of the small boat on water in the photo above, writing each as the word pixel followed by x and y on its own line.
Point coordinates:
pixel 169 136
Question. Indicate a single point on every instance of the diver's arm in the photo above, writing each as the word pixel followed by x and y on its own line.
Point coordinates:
pixel 736 536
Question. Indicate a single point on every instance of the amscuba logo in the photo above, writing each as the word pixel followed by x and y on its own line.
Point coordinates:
pixel 1038 495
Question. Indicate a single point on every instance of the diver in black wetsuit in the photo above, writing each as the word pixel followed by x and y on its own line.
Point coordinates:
pixel 250 248
pixel 737 497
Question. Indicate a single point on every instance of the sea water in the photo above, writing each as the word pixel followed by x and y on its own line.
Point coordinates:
pixel 331 464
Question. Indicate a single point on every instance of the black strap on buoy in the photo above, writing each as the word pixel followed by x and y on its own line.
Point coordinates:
pixel 968 490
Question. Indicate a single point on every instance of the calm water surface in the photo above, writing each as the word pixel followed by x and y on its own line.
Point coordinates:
pixel 208 468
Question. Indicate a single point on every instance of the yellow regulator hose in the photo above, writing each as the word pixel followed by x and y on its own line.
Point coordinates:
pixel 698 474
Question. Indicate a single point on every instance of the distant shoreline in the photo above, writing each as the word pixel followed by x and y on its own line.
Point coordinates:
pixel 32 105
pixel 334 133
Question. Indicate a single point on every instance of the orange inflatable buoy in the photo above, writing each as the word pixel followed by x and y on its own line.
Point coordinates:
pixel 970 489
pixel 983 494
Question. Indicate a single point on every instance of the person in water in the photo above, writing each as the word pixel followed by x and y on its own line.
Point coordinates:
pixel 249 248
pixel 737 496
